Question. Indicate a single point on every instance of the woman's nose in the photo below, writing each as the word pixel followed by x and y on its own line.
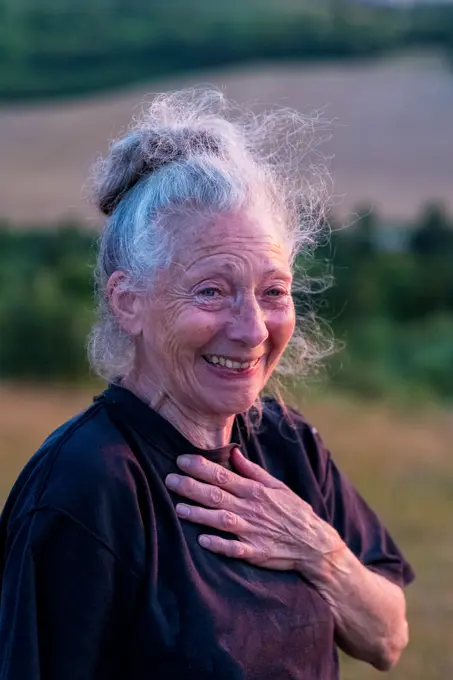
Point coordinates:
pixel 248 323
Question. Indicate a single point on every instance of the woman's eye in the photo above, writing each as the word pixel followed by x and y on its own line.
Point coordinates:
pixel 210 292
pixel 275 292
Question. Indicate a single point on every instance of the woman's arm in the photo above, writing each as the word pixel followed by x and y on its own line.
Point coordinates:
pixel 369 610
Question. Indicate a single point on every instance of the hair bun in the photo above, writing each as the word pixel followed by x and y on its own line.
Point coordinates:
pixel 142 153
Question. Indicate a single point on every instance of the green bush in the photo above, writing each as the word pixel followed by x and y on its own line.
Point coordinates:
pixel 45 303
pixel 50 48
pixel 383 358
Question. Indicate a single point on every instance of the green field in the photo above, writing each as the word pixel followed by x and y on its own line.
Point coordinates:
pixel 400 461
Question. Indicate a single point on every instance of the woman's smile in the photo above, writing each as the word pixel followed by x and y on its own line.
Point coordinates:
pixel 231 369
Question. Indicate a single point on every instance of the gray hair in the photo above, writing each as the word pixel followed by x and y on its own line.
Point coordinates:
pixel 193 152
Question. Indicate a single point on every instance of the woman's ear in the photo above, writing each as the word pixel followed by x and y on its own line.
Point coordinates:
pixel 125 304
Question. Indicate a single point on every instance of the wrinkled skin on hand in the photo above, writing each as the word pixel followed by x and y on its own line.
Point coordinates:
pixel 276 529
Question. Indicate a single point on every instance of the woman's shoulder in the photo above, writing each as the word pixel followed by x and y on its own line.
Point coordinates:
pixel 288 434
pixel 84 470
pixel 84 452
pixel 284 420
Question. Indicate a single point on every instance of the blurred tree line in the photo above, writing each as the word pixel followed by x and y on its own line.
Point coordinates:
pixel 62 47
pixel 391 304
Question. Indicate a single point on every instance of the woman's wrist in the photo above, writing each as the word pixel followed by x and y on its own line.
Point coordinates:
pixel 369 610
pixel 328 558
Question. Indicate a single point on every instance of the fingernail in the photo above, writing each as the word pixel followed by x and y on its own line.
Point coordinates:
pixel 172 481
pixel 205 541
pixel 183 509
pixel 183 461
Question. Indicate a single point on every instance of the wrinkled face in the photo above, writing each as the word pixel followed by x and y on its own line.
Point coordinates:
pixel 219 319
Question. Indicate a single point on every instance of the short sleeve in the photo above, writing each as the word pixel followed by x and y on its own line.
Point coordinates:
pixel 65 603
pixel 358 525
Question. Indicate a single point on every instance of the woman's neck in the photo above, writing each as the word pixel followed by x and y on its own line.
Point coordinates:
pixel 205 431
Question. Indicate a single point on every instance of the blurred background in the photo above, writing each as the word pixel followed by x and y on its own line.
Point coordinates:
pixel 72 74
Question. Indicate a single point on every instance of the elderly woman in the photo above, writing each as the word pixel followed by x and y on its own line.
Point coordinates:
pixel 184 526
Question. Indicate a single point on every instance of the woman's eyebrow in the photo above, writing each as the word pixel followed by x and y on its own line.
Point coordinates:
pixel 281 273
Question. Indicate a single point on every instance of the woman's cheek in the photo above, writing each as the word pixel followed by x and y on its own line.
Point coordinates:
pixel 197 327
pixel 281 325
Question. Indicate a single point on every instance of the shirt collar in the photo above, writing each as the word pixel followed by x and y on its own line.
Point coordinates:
pixel 159 431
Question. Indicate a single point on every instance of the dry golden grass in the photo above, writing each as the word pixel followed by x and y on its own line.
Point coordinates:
pixel 400 461
pixel 391 136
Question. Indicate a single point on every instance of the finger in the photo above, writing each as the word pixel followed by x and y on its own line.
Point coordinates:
pixel 222 546
pixel 253 471
pixel 208 471
pixel 225 520
pixel 207 494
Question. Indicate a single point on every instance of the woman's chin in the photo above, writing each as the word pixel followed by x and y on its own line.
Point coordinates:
pixel 227 392
pixel 233 403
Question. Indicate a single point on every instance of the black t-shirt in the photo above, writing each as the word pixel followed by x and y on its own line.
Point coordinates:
pixel 100 579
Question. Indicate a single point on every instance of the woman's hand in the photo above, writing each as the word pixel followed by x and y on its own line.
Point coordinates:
pixel 276 529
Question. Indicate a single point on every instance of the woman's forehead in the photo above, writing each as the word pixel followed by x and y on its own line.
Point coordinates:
pixel 233 256
pixel 230 236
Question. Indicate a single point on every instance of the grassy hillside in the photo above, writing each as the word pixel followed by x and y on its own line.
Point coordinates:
pixel 391 142
pixel 401 462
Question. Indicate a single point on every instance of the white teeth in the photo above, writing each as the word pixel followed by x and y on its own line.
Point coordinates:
pixel 229 363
